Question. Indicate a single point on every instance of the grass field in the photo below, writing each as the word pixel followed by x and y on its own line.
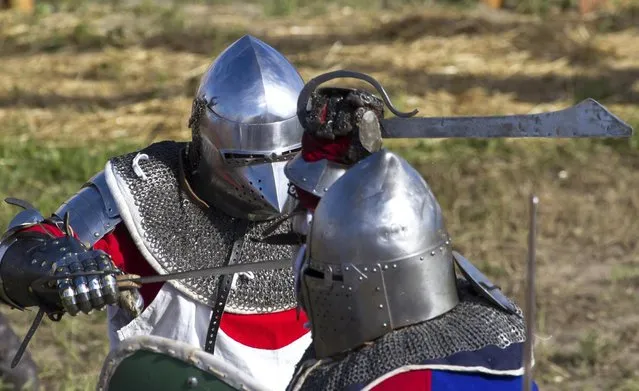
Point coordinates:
pixel 80 85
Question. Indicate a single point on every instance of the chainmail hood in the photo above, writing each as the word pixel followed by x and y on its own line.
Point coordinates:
pixel 176 234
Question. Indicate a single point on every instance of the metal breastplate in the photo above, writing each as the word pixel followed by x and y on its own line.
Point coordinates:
pixel 472 325
pixel 179 235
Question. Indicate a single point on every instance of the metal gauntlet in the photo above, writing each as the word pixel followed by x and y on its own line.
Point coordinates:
pixel 32 270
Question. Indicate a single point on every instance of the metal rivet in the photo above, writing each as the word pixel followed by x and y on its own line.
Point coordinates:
pixel 394 266
pixel 361 278
pixel 63 249
pixel 374 269
pixel 350 308
pixel 365 269
pixel 385 325
pixel 432 253
pixel 421 258
pixel 191 382
pixel 33 262
pixel 385 267
pixel 343 286
pixel 303 179
pixel 377 289
pixel 381 306
pixel 347 268
pixel 96 234
pixel 350 288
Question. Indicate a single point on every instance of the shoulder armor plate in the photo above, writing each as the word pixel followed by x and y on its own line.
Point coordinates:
pixel 92 210
pixel 25 218
pixel 482 285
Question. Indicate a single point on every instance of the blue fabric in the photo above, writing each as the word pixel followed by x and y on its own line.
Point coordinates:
pixel 490 357
pixel 474 381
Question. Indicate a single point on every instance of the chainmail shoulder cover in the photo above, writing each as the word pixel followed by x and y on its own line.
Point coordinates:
pixel 450 340
pixel 175 234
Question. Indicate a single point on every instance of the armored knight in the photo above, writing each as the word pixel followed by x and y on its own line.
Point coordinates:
pixel 386 309
pixel 173 207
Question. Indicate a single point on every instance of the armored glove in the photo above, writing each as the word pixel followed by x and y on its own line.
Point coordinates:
pixel 337 112
pixel 60 275
pixel 84 293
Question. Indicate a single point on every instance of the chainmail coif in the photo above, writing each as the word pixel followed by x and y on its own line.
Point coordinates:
pixel 183 236
pixel 473 324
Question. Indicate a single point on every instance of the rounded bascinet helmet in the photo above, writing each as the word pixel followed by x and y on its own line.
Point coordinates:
pixel 378 256
pixel 245 129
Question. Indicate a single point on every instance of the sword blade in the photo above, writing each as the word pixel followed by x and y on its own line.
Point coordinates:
pixel 214 271
pixel 586 119
pixel 530 295
pixel 27 338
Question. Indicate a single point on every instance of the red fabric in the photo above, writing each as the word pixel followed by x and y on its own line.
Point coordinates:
pixel 418 380
pixel 306 199
pixel 314 149
pixel 265 331
pixel 126 256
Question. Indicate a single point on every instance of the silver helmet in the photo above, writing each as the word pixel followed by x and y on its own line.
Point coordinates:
pixel 245 129
pixel 378 256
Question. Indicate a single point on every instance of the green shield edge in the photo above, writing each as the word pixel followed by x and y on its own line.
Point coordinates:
pixel 145 370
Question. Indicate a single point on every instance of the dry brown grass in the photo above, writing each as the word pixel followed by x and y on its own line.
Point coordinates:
pixel 94 75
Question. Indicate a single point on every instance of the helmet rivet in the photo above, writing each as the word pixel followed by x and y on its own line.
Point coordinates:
pixel 361 278
pixel 381 306
pixel 191 382
pixel 303 179
pixel 374 269
pixel 432 253
pixel 385 267
pixel 421 258
pixel 377 289
pixel 347 268
pixel 350 288
pixel 326 189
pixel 385 325
pixel 394 266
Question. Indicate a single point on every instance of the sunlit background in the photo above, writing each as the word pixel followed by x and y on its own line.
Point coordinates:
pixel 81 81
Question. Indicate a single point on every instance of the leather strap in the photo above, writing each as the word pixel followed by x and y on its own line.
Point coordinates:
pixel 224 287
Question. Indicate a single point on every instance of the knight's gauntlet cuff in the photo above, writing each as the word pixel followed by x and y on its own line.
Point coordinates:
pixel 26 257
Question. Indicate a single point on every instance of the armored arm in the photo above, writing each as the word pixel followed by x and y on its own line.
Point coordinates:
pixel 37 253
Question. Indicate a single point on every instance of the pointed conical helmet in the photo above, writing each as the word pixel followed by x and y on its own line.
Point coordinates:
pixel 245 129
